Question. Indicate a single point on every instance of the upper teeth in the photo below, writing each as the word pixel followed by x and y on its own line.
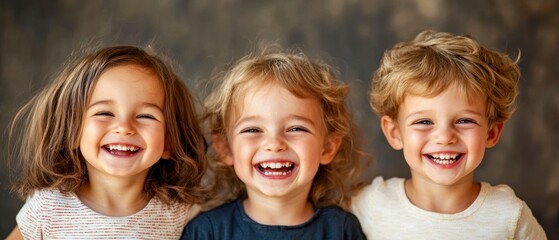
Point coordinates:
pixel 123 148
pixel 275 165
pixel 446 156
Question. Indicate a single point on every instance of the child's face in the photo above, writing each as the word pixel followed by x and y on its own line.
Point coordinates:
pixel 277 142
pixel 123 128
pixel 443 137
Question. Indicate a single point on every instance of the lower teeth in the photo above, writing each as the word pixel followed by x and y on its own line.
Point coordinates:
pixel 276 173
pixel 444 162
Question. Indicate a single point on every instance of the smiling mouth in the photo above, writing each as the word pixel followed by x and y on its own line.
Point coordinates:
pixel 121 150
pixel 445 158
pixel 275 168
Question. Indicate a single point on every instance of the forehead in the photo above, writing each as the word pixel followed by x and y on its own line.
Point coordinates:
pixel 452 98
pixel 275 100
pixel 128 81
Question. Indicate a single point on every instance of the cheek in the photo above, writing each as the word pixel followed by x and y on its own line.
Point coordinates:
pixel 414 138
pixel 242 149
pixel 89 133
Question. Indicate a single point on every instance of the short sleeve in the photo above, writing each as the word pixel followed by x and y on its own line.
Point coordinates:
pixel 527 226
pixel 361 203
pixel 352 228
pixel 31 217
pixel 198 228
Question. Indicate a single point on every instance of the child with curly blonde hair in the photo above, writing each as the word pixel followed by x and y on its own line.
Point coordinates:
pixel 443 99
pixel 286 152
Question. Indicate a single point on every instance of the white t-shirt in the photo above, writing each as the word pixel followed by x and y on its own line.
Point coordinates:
pixel 50 214
pixel 385 212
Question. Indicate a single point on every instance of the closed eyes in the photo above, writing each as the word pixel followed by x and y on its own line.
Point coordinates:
pixel 147 116
pixel 108 114
pixel 139 116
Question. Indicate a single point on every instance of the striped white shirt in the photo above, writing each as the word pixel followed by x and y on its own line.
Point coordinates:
pixel 50 214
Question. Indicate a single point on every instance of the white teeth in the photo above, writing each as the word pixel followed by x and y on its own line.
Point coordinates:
pixel 123 148
pixel 443 162
pixel 444 156
pixel 276 173
pixel 275 165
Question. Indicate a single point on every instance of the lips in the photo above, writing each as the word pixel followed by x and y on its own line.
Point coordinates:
pixel 121 149
pixel 275 168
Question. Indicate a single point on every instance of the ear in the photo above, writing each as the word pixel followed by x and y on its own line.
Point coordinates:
pixel 221 147
pixel 166 153
pixel 392 132
pixel 331 147
pixel 494 134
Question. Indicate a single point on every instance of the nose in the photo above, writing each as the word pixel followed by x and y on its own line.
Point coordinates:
pixel 274 143
pixel 445 135
pixel 124 127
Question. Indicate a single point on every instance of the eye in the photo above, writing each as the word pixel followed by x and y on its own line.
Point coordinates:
pixel 466 121
pixel 104 113
pixel 423 122
pixel 250 130
pixel 147 116
pixel 297 129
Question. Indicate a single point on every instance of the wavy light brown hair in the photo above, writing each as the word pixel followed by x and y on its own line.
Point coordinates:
pixel 333 183
pixel 48 127
pixel 433 61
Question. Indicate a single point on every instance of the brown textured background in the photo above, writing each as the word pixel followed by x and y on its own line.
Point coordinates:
pixel 37 36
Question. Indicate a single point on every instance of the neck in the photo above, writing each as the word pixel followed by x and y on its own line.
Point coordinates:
pixel 113 197
pixel 278 211
pixel 442 198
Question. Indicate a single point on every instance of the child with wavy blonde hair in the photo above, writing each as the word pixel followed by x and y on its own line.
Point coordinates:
pixel 111 149
pixel 286 152
pixel 443 99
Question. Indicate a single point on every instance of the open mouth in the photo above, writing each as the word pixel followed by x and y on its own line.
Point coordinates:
pixel 275 168
pixel 445 158
pixel 121 150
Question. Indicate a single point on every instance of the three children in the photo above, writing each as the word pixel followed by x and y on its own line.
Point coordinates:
pixel 114 142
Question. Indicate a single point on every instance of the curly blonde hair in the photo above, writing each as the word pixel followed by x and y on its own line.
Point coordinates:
pixel 303 77
pixel 50 126
pixel 433 61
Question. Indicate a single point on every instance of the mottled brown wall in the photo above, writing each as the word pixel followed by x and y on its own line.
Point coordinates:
pixel 37 36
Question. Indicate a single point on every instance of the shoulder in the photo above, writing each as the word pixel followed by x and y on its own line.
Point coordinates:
pixel 41 209
pixel 336 215
pixel 502 195
pixel 52 195
pixel 339 222
pixel 210 224
pixel 222 214
pixel 379 187
pixel 222 211
pixel 176 213
pixel 46 199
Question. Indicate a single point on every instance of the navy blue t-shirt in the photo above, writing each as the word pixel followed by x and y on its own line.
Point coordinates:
pixel 230 221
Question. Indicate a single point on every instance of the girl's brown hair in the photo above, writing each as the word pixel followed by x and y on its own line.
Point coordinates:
pixel 303 77
pixel 50 126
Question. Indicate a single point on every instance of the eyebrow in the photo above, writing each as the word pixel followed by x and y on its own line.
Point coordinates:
pixel 108 102
pixel 290 117
pixel 426 111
